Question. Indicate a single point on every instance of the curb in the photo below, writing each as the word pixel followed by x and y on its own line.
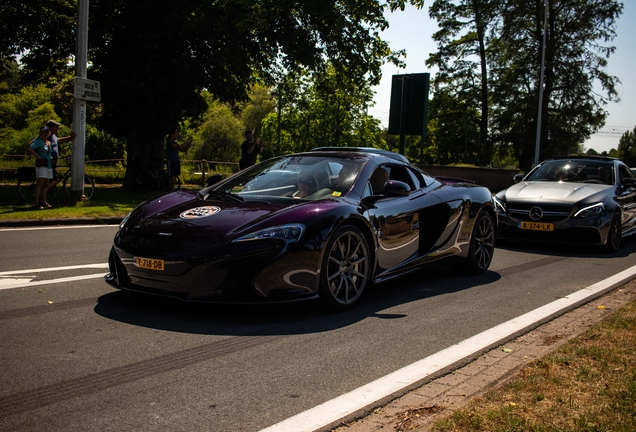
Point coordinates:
pixel 18 223
pixel 418 409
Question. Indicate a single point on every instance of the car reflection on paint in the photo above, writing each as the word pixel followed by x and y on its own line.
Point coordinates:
pixel 325 223
pixel 582 200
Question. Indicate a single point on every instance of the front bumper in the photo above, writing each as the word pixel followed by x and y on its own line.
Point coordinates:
pixel 584 231
pixel 255 275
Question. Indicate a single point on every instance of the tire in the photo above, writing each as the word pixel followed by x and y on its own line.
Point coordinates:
pixel 164 181
pixel 614 234
pixel 482 246
pixel 141 182
pixel 26 189
pixel 89 186
pixel 346 268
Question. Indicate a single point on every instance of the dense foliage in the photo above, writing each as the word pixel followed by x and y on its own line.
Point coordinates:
pixel 627 148
pixel 300 75
pixel 155 57
pixel 487 92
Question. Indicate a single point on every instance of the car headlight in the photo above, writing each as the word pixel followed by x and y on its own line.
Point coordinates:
pixel 289 233
pixel 592 210
pixel 499 205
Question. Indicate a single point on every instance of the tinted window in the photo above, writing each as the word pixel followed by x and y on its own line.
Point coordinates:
pixel 574 171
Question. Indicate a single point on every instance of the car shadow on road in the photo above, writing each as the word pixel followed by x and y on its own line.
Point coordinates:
pixel 628 247
pixel 282 319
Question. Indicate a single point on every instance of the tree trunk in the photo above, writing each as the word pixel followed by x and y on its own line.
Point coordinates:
pixel 145 153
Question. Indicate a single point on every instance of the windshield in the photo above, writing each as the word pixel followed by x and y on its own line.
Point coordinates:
pixel 293 177
pixel 574 171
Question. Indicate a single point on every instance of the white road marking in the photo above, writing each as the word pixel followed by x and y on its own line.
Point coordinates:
pixel 10 229
pixel 8 281
pixel 23 282
pixel 332 411
pixel 51 269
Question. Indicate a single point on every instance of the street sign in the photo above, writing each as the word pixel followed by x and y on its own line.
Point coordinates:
pixel 87 89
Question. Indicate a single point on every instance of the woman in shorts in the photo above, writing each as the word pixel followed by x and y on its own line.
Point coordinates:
pixel 41 149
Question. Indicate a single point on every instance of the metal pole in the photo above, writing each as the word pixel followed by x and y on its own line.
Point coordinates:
pixel 79 105
pixel 403 114
pixel 280 101
pixel 540 114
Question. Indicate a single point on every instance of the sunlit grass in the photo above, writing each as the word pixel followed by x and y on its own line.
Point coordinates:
pixel 108 201
pixel 589 384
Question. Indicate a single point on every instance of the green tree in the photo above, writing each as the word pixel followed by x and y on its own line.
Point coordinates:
pixel 461 93
pixel 220 135
pixel 21 115
pixel 154 57
pixel 575 60
pixel 253 111
pixel 627 148
pixel 326 108
pixel 42 33
pixel 101 145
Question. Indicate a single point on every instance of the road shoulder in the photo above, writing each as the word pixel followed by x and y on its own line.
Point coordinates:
pixel 418 409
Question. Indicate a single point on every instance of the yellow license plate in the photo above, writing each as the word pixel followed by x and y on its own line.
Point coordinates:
pixel 536 226
pixel 150 264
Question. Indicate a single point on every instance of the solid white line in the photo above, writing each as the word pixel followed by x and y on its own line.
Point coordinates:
pixel 11 229
pixel 23 282
pixel 348 403
pixel 50 269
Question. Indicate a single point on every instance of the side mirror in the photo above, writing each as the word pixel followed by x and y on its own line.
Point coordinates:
pixel 396 188
pixel 629 182
pixel 518 177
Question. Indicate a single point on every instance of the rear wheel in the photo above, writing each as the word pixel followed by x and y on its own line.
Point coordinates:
pixel 89 186
pixel 614 235
pixel 164 181
pixel 482 245
pixel 346 269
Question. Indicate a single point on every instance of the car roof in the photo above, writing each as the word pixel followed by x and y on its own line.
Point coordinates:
pixel 370 150
pixel 600 158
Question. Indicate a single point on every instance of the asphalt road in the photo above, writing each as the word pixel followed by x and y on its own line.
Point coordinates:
pixel 79 355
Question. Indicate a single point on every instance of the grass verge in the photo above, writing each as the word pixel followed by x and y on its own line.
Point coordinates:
pixel 108 201
pixel 589 384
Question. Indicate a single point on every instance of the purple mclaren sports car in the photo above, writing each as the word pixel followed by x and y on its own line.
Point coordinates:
pixel 325 223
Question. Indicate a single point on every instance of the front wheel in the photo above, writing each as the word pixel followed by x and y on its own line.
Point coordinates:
pixel 26 189
pixel 614 235
pixel 164 181
pixel 89 186
pixel 482 245
pixel 346 269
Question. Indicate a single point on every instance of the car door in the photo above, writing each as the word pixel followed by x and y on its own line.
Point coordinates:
pixel 396 220
pixel 626 198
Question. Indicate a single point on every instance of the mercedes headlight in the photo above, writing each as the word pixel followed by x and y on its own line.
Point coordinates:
pixel 593 210
pixel 499 205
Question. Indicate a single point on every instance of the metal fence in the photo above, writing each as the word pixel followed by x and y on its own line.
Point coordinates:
pixel 195 171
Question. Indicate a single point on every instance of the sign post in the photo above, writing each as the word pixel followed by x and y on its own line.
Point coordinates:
pixel 408 114
pixel 79 104
pixel 88 90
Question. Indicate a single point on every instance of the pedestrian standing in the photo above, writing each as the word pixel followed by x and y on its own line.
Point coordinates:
pixel 250 149
pixel 172 156
pixel 55 149
pixel 41 149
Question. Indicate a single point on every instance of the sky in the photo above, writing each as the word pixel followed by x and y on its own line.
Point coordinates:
pixel 412 31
